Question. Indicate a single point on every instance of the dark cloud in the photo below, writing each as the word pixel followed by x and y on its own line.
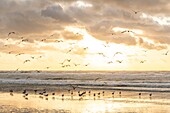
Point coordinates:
pixel 57 12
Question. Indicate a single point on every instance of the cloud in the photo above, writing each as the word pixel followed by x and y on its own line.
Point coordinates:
pixel 155 46
pixel 57 12
pixel 71 36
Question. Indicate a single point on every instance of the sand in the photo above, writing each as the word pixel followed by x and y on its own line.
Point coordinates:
pixel 126 102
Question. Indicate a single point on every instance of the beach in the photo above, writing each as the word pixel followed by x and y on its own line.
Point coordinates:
pixel 101 96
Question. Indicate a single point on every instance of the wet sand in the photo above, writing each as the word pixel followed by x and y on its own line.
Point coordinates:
pixel 126 102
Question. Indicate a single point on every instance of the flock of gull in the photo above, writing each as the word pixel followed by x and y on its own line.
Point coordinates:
pixel 67 62
pixel 73 93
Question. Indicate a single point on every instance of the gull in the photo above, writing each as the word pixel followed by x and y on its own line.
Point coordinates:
pixel 166 53
pixel 142 61
pixel 67 65
pixel 63 66
pixel 24 40
pixel 101 54
pixel 97 79
pixel 19 54
pixel 82 94
pixel 26 61
pixel 43 40
pixel 127 31
pixel 32 57
pixel 47 67
pixel 11 33
pixel 110 62
pixel 76 64
pixel 117 53
pixel 10 52
pixel 119 61
pixel 17 69
pixel 135 11
pixel 58 41
pixel 85 48
pixel 86 64
pixel 73 86
pixel 69 50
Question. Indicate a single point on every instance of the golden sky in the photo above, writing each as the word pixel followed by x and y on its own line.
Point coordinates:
pixel 84 34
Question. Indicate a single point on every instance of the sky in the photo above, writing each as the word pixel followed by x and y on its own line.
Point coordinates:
pixel 84 35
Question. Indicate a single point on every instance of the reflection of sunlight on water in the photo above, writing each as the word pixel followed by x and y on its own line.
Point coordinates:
pixel 75 105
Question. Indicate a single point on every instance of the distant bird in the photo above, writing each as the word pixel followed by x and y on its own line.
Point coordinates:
pixel 86 64
pixel 97 79
pixel 11 91
pixel 24 91
pixel 85 48
pixel 32 57
pixel 43 40
pixel 82 94
pixel 73 86
pixel 63 66
pixel 136 12
pixel 150 94
pixel 76 64
pixel 62 95
pixel 11 33
pixel 47 67
pixel 25 94
pixel 26 61
pixel 46 94
pixel 17 69
pixel 102 54
pixel 24 40
pixel 127 31
pixel 35 91
pixel 166 53
pixel 110 62
pixel 10 52
pixel 69 50
pixel 143 61
pixel 19 54
pixel 116 53
pixel 67 65
pixel 119 61
pixel 53 93
pixel 58 41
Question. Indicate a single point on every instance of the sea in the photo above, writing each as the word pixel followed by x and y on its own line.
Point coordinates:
pixel 146 81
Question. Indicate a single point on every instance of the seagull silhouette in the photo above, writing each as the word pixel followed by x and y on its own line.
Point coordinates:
pixel 58 41
pixel 127 31
pixel 136 12
pixel 86 64
pixel 97 79
pixel 19 54
pixel 26 61
pixel 143 61
pixel 119 61
pixel 110 62
pixel 11 33
pixel 166 53
pixel 116 53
